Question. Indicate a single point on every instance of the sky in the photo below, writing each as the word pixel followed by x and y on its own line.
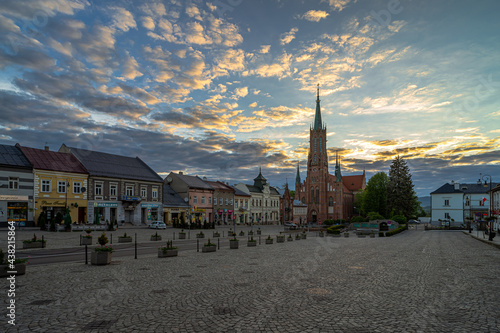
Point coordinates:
pixel 220 88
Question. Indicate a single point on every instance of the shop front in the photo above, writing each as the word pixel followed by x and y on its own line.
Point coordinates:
pixel 103 211
pixel 15 208
pixel 149 212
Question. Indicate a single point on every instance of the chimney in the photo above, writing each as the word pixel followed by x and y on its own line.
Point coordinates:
pixel 205 178
pixel 46 148
pixel 457 186
pixel 181 173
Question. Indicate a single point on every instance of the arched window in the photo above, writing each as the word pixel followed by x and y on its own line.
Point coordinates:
pixel 317 194
pixel 312 195
pixel 303 200
pixel 330 201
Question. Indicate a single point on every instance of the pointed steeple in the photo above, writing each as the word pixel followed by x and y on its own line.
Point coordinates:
pixel 318 124
pixel 259 181
pixel 338 172
pixel 297 178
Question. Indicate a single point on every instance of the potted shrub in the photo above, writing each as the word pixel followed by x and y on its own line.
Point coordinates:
pixel 168 251
pixel 360 235
pixel 101 254
pixel 252 242
pixel 290 238
pixel 234 243
pixel 372 234
pixel 280 238
pixel 259 232
pixel 182 234
pixel 304 235
pixel 381 234
pixel 11 265
pixel 297 237
pixel 200 235
pixel 346 234
pixel 242 233
pixel 250 233
pixel 124 238
pixel 269 240
pixel 335 233
pixel 230 232
pixel 209 247
pixel 216 234
pixel 87 239
pixel 321 234
pixel 156 237
pixel 33 243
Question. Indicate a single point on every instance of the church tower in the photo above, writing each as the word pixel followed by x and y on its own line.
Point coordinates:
pixel 317 168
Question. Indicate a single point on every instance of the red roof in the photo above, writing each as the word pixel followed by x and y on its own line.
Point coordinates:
pixel 220 186
pixel 52 160
pixel 354 183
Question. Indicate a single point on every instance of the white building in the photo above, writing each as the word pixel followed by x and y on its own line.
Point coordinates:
pixel 264 204
pixel 457 202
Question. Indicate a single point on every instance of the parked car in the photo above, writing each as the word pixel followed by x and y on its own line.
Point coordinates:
pixel 157 225
pixel 290 225
pixel 413 221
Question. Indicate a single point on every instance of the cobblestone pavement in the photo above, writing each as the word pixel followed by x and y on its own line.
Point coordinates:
pixel 416 281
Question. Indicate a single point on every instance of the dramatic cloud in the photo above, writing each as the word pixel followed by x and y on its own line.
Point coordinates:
pixel 288 36
pixel 315 15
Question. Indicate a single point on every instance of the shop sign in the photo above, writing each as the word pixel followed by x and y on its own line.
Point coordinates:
pixel 129 198
pixel 14 197
pixel 52 203
pixel 105 204
pixel 145 205
pixel 199 210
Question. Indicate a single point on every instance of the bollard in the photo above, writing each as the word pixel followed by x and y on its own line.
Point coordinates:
pixel 43 243
pixel 136 246
pixel 80 239
pixel 197 245
pixel 174 236
pixel 86 255
pixel 259 240
pixel 111 239
pixel 223 234
pixel 189 234
pixel 218 243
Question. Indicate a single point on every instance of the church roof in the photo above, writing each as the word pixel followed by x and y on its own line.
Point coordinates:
pixel 353 183
pixel 317 117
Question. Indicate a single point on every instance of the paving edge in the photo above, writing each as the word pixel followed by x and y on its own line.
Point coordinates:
pixel 483 240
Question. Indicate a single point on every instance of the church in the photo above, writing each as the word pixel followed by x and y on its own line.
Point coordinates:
pixel 327 196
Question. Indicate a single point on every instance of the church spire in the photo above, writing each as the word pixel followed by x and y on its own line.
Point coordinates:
pixel 338 172
pixel 297 178
pixel 318 124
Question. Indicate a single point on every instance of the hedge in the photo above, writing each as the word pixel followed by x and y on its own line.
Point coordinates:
pixel 335 229
pixel 395 231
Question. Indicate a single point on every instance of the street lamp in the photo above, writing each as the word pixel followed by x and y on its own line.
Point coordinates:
pixel 491 235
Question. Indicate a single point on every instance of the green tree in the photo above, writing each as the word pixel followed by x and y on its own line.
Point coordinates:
pixel 400 193
pixel 375 196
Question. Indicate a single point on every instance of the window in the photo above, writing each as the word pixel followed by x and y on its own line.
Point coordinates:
pixel 195 199
pixel 98 188
pixel 253 202
pixel 230 201
pixel 215 201
pixel 46 185
pixel 13 183
pixel 235 203
pixel 330 201
pixel 467 202
pixel 317 194
pixel 266 203
pixel 447 216
pixel 113 190
pixel 209 200
pixel 446 202
pixel 77 187
pixel 221 201
pixel 227 201
pixel 144 192
pixel 315 144
pixel 312 195
pixel 154 193
pixel 202 200
pixel 61 187
pixel 129 191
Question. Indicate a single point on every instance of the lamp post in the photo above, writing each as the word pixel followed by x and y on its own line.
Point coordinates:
pixel 491 235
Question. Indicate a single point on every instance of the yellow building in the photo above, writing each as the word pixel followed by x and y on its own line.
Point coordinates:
pixel 60 183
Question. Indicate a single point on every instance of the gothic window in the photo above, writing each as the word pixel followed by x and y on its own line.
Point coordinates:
pixel 312 195
pixel 303 200
pixel 315 144
pixel 330 201
pixel 317 194
pixel 314 158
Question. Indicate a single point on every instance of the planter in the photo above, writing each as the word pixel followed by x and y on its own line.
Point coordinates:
pixel 254 243
pixel 304 236
pixel 182 235
pixel 259 232
pixel 168 253
pixel 361 236
pixel 372 235
pixel 280 239
pixel 211 248
pixel 321 234
pixel 269 241
pixel 100 258
pixel 124 239
pixel 33 245
pixel 216 235
pixel 336 235
pixel 346 234
pixel 233 244
pixel 155 238
pixel 86 240
pixel 298 238
pixel 200 235
pixel 242 234
pixel 289 239
pixel 19 268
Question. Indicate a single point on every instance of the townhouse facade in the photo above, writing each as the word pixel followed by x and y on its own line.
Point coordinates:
pixel 175 209
pixel 241 206
pixel 16 187
pixel 196 193
pixel 60 182
pixel 223 202
pixel 121 189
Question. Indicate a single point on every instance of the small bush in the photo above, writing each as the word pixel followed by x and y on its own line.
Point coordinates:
pixel 399 218
pixel 374 216
pixel 395 231
pixel 102 240
pixel 381 234
pixel 358 219
pixel 334 228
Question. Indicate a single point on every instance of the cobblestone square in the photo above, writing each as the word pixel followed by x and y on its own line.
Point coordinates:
pixel 416 281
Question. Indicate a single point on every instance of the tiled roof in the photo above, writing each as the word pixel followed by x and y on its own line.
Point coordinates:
pixel 299 203
pixel 463 188
pixel 239 192
pixel 53 160
pixel 12 156
pixel 194 182
pixel 219 186
pixel 256 189
pixel 172 198
pixel 353 183
pixel 116 166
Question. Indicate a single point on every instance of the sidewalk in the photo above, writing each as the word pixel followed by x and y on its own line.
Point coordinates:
pixel 481 236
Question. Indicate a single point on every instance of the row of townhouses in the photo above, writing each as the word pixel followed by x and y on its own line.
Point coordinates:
pixel 96 187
